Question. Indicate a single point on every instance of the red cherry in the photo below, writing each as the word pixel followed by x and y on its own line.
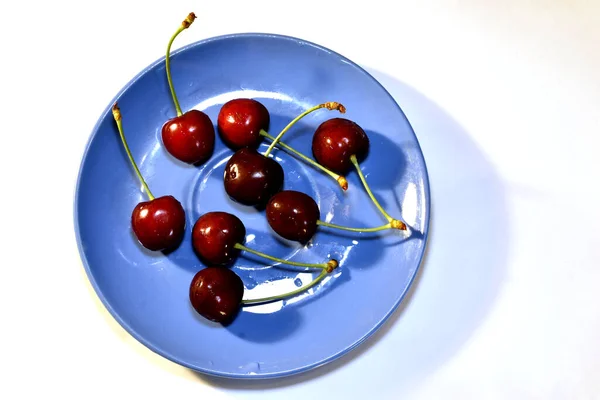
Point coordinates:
pixel 216 293
pixel 336 140
pixel 251 178
pixel 214 236
pixel 189 137
pixel 293 215
pixel 159 224
pixel 240 122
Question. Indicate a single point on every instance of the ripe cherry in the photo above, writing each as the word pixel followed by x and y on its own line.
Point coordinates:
pixel 190 136
pixel 251 178
pixel 336 140
pixel 240 122
pixel 215 235
pixel 216 293
pixel 339 144
pixel 293 215
pixel 158 224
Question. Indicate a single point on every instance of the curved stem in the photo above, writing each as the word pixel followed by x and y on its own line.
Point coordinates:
pixel 341 180
pixel 288 294
pixel 394 223
pixel 117 116
pixel 368 189
pixel 346 228
pixel 329 264
pixel 331 105
pixel 184 25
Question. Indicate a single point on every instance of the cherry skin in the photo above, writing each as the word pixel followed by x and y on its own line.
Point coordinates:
pixel 189 137
pixel 336 140
pixel 251 178
pixel 159 224
pixel 214 236
pixel 293 215
pixel 216 293
pixel 240 122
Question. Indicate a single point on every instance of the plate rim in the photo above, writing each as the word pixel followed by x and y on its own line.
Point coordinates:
pixel 241 376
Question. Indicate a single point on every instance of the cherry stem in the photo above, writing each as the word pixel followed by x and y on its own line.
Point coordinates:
pixel 329 264
pixel 318 279
pixel 331 105
pixel 346 228
pixel 341 180
pixel 394 223
pixel 184 25
pixel 117 116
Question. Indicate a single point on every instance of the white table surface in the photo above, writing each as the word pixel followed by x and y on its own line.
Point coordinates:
pixel 504 97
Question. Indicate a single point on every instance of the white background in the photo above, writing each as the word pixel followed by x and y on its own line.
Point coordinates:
pixel 504 97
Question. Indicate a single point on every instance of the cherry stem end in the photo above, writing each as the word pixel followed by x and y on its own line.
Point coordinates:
pixel 118 119
pixel 184 25
pixel 325 265
pixel 332 264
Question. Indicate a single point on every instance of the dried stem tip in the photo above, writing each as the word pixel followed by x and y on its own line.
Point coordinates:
pixel 397 224
pixel 343 182
pixel 332 105
pixel 331 265
pixel 188 20
pixel 116 112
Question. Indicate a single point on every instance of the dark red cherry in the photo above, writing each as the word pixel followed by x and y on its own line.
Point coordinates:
pixel 216 293
pixel 240 121
pixel 159 224
pixel 189 137
pixel 251 178
pixel 214 236
pixel 337 139
pixel 293 215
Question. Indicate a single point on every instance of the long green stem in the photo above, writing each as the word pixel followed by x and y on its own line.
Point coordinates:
pixel 331 105
pixel 346 228
pixel 117 116
pixel 328 264
pixel 318 279
pixel 394 223
pixel 184 25
pixel 341 180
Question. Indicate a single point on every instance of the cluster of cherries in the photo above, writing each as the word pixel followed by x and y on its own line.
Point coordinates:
pixel 250 178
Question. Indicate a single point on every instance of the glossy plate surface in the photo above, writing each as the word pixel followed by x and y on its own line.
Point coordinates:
pixel 147 293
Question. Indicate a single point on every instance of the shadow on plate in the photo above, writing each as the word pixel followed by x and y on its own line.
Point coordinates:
pixel 460 277
pixel 265 328
pixel 382 148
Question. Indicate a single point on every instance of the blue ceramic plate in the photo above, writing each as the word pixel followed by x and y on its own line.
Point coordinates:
pixel 147 292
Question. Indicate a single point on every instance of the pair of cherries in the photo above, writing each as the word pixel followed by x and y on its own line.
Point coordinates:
pixel 250 178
